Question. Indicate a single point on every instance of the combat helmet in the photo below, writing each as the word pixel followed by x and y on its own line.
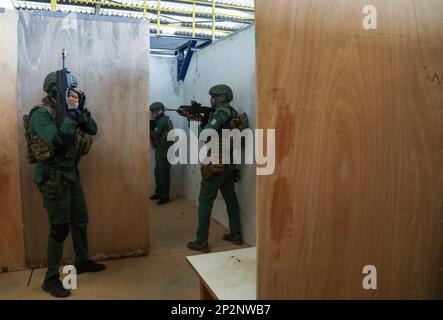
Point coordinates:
pixel 156 106
pixel 222 89
pixel 50 82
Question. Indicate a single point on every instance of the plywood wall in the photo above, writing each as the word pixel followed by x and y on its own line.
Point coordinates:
pixel 12 256
pixel 110 60
pixel 359 175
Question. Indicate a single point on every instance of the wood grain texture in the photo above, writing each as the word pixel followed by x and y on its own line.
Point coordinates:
pixel 359 174
pixel 110 60
pixel 12 255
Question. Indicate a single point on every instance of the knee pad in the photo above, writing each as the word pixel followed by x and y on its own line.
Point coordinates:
pixel 59 232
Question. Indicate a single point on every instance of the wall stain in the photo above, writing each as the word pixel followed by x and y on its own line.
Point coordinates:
pixel 282 207
pixel 4 176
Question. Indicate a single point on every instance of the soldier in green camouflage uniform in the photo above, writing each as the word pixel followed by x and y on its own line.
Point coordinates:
pixel 219 177
pixel 57 177
pixel 159 134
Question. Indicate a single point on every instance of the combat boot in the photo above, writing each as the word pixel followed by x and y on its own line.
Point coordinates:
pixel 55 287
pixel 89 266
pixel 235 238
pixel 162 201
pixel 197 245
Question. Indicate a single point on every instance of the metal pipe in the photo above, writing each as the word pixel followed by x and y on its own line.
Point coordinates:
pixel 213 20
pixel 158 16
pixel 221 5
pixel 193 20
pixel 190 28
pixel 189 12
pixel 53 5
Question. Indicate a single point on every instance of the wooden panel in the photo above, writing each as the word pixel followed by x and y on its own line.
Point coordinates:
pixel 110 60
pixel 359 174
pixel 12 256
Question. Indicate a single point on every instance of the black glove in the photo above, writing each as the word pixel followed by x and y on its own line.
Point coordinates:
pixel 81 100
pixel 77 116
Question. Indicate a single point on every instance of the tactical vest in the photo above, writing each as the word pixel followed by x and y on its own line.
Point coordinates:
pixel 236 121
pixel 39 151
pixel 164 135
pixel 170 127
pixel 82 145
pixel 36 148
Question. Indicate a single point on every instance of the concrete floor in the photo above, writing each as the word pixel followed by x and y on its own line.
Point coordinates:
pixel 163 274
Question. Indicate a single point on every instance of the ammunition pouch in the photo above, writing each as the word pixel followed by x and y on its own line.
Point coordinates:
pixel 82 145
pixel 40 150
pixel 54 184
pixel 237 121
pixel 241 122
pixel 209 170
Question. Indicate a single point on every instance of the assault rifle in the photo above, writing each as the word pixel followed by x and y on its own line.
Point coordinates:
pixel 62 87
pixel 195 111
pixel 65 80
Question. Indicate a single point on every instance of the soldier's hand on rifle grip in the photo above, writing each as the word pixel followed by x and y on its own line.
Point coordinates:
pixel 198 117
pixel 77 116
pixel 184 113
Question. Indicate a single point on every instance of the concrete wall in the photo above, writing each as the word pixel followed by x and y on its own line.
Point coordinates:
pixel 165 88
pixel 231 61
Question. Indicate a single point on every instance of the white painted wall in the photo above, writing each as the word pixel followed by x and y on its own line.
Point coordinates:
pixel 232 62
pixel 165 88
pixel 6 4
